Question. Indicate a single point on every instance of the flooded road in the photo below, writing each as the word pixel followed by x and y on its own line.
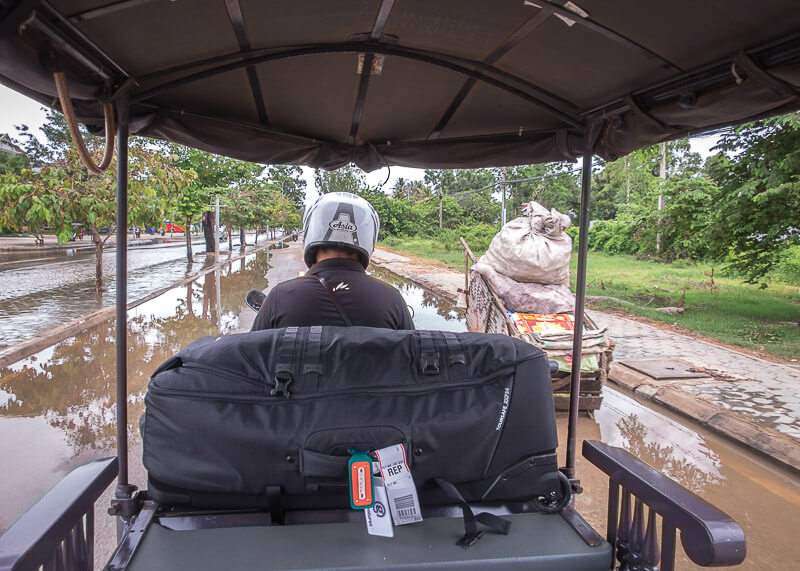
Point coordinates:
pixel 57 411
pixel 39 291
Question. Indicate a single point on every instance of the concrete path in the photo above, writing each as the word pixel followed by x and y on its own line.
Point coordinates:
pixel 762 391
pixel 754 401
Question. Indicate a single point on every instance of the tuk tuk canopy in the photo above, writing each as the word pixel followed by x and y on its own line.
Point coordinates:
pixel 445 84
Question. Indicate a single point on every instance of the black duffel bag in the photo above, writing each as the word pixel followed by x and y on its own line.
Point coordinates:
pixel 231 421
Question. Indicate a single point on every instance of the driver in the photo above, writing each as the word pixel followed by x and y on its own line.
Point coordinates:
pixel 339 234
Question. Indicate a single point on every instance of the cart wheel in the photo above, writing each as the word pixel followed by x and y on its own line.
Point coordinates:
pixel 555 502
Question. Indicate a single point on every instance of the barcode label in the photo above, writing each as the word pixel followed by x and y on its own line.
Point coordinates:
pixel 404 506
pixel 403 501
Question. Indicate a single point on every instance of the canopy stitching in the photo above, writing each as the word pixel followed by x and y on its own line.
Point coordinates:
pixel 509 43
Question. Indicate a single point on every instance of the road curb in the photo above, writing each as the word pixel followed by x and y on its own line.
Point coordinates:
pixel 24 349
pixel 760 439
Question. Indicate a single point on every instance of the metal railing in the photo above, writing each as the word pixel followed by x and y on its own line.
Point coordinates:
pixel 58 531
pixel 639 495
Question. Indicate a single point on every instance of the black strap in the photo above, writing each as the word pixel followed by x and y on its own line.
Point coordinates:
pixel 277 511
pixel 284 365
pixel 335 301
pixel 458 359
pixel 312 364
pixel 471 520
pixel 429 356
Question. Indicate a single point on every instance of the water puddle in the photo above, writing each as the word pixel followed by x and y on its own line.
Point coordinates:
pixel 40 293
pixel 57 411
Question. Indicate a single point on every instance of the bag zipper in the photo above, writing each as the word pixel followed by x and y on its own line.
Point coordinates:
pixel 371 391
pixel 224 372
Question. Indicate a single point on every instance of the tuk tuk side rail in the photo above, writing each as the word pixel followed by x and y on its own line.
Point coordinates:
pixel 710 537
pixel 58 531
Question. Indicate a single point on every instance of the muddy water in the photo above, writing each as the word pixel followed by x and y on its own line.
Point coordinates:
pixel 763 498
pixel 39 292
pixel 57 411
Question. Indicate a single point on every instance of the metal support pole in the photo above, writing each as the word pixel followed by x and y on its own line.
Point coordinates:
pixel 124 490
pixel 216 227
pixel 580 298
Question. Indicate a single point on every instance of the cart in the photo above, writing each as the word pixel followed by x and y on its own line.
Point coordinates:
pixel 486 313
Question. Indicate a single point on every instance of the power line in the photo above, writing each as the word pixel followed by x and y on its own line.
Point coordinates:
pixel 537 178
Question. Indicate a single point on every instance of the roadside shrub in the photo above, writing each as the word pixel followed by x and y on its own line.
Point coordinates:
pixel 789 267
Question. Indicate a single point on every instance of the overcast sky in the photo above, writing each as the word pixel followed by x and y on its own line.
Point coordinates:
pixel 16 109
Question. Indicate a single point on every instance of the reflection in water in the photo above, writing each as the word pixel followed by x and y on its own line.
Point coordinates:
pixel 39 296
pixel 430 311
pixel 70 386
pixel 671 448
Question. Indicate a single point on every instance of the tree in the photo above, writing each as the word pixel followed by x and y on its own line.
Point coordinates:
pixel 63 194
pixel 289 179
pixel 410 190
pixel 213 173
pixel 757 211
pixel 256 205
pixel 348 178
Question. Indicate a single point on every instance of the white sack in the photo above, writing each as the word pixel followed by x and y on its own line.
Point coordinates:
pixel 527 297
pixel 533 248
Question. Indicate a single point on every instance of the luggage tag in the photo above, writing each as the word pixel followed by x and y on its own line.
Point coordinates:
pixel 359 468
pixel 379 520
pixel 403 500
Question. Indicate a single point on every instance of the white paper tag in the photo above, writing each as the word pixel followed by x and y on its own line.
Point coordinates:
pixel 379 522
pixel 400 488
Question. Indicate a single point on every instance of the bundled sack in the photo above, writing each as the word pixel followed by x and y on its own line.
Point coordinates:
pixel 227 419
pixel 527 297
pixel 532 248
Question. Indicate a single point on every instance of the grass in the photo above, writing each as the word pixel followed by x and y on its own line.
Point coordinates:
pixel 717 307
pixel 450 255
pixel 721 308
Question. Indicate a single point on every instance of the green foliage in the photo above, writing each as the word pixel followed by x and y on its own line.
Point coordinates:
pixel 558 187
pixel 13 163
pixel 289 180
pixel 757 214
pixel 348 178
pixel 61 193
pixel 788 268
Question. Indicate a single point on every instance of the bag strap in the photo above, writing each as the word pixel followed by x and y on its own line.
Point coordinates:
pixel 458 359
pixel 429 356
pixel 471 520
pixel 337 304
pixel 284 365
pixel 312 364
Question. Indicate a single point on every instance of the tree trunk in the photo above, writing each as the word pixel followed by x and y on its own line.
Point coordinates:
pixel 188 235
pixel 230 239
pixel 210 298
pixel 242 242
pixel 189 309
pixel 98 259
pixel 208 232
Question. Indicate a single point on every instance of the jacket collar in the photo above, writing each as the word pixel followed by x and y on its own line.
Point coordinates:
pixel 336 264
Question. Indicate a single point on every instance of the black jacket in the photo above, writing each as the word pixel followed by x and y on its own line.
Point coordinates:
pixel 303 302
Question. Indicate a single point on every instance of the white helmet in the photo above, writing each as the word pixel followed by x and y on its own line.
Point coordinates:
pixel 340 219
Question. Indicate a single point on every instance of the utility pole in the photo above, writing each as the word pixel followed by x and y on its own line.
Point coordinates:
pixel 503 186
pixel 627 181
pixel 441 197
pixel 663 176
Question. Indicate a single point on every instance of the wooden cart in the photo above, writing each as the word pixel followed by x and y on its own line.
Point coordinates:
pixel 486 313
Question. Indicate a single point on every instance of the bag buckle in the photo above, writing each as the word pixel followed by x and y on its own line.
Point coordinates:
pixel 282 381
pixel 430 362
